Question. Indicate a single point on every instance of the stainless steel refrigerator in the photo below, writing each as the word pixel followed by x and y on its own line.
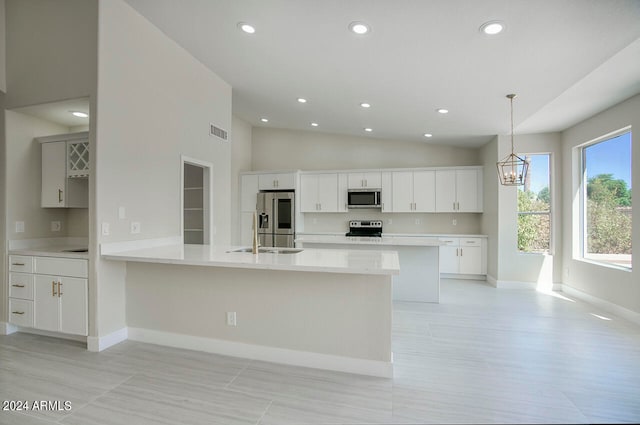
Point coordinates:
pixel 276 219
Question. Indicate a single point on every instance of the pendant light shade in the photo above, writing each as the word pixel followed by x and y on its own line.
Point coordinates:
pixel 512 170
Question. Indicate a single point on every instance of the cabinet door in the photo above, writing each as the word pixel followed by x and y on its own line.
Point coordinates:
pixel 424 188
pixel 285 181
pixel 309 193
pixel 445 190
pixel 386 192
pixel 470 260
pixel 267 182
pixel 248 192
pixel 402 191
pixel 372 180
pixel 356 180
pixel 46 305
pixel 328 192
pixel 73 306
pixel 467 190
pixel 54 174
pixel 449 256
pixel 343 184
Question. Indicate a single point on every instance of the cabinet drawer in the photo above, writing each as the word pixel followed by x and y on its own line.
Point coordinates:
pixel 20 263
pixel 61 266
pixel 21 286
pixel 471 242
pixel 451 241
pixel 21 312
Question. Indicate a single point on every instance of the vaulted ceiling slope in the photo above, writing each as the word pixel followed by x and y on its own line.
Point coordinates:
pixel 566 60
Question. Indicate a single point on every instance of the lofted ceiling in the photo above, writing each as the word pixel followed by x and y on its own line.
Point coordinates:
pixel 566 60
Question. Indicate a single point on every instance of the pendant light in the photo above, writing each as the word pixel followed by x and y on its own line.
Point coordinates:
pixel 512 170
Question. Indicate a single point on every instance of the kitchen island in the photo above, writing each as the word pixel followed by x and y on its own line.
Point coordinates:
pixel 419 278
pixel 328 309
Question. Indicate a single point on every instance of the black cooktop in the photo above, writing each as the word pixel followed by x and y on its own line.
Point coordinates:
pixel 366 228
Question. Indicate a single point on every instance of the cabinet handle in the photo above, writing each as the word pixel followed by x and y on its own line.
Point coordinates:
pixel 17 264
pixel 461 252
pixel 320 207
pixel 366 183
pixel 60 289
pixel 458 206
pixel 457 252
pixel 17 312
pixel 59 195
pixel 53 288
pixel 17 286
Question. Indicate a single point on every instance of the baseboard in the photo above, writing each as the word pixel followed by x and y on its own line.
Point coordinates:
pixel 607 306
pixel 7 328
pixel 515 284
pixel 95 343
pixel 492 281
pixel 463 276
pixel 264 353
pixel 80 338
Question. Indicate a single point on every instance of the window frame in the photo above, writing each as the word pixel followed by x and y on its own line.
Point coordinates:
pixel 552 196
pixel 582 192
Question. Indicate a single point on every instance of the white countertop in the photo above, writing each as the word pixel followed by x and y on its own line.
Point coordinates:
pixel 52 251
pixel 360 240
pixel 309 260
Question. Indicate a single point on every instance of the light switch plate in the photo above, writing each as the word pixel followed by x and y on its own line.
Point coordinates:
pixel 122 214
pixel 55 226
pixel 19 226
pixel 135 227
pixel 105 229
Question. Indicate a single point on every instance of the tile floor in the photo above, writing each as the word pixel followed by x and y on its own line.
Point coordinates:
pixel 481 356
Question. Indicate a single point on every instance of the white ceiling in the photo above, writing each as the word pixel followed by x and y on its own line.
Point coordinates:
pixel 60 112
pixel 566 60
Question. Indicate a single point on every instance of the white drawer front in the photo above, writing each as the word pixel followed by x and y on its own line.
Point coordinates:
pixel 471 242
pixel 20 263
pixel 21 312
pixel 451 241
pixel 61 266
pixel 21 286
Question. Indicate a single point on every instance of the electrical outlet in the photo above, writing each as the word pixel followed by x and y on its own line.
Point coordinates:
pixel 417 221
pixel 105 229
pixel 19 226
pixel 389 221
pixel 122 213
pixel 454 222
pixel 135 227
pixel 231 318
pixel 55 226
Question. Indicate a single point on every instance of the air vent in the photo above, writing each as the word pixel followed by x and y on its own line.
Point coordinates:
pixel 218 132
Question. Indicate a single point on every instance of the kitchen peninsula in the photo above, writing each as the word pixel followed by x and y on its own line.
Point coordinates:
pixel 322 308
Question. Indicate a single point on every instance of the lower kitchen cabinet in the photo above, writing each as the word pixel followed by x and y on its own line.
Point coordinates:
pixel 53 297
pixel 463 256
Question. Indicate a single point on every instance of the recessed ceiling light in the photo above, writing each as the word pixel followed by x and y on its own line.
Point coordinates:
pixel 492 27
pixel 359 28
pixel 80 114
pixel 264 119
pixel 365 105
pixel 249 29
pixel 302 100
pixel 442 110
pixel 314 124
pixel 428 135
pixel 368 130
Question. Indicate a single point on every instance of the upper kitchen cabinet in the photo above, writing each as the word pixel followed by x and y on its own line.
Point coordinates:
pixel 413 191
pixel 370 180
pixel 459 190
pixel 65 170
pixel 319 192
pixel 277 181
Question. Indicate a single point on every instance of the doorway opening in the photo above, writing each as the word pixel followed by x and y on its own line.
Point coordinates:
pixel 196 201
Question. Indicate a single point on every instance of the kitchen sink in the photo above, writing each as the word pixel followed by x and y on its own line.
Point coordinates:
pixel 270 250
pixel 76 250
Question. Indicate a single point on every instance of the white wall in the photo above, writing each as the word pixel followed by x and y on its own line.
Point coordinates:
pixel 275 149
pixel 617 286
pixel 23 174
pixel 3 222
pixel 155 103
pixel 490 224
pixel 3 62
pixel 240 161
pixel 51 50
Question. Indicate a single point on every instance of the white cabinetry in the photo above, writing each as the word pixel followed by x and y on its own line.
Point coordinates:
pixel 458 190
pixel 65 171
pixel 463 256
pixel 319 192
pixel 49 293
pixel 371 180
pixel 277 181
pixel 343 184
pixel 386 191
pixel 248 192
pixel 413 191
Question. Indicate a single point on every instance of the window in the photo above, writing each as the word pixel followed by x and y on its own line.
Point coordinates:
pixel 606 200
pixel 534 206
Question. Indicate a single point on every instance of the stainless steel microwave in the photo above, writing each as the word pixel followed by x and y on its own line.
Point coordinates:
pixel 363 198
